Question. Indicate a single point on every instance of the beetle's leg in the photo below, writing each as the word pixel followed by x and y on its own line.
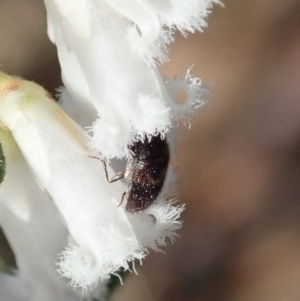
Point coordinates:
pixel 122 199
pixel 116 177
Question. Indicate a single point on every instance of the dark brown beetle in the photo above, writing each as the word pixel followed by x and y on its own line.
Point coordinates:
pixel 145 172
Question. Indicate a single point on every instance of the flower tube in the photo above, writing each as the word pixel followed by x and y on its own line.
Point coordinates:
pixel 54 147
pixel 35 230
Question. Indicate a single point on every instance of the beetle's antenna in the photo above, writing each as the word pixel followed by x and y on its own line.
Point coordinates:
pixel 116 177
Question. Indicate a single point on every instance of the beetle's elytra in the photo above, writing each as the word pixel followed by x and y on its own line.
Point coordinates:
pixel 145 172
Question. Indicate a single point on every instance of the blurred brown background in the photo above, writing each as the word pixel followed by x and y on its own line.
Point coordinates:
pixel 239 165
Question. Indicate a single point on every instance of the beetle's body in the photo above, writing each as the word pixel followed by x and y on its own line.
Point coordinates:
pixel 146 172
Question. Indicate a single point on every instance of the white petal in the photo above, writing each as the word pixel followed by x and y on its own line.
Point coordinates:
pixel 33 227
pixel 76 183
pixel 103 70
pixel 141 15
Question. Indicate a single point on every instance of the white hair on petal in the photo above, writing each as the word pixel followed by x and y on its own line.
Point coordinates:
pixel 195 93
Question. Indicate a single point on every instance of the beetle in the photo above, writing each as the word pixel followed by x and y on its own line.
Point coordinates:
pixel 145 172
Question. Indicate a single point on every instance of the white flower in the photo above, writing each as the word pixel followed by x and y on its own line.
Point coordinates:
pixel 104 236
pixel 54 147
pixel 108 51
pixel 34 228
pixel 98 54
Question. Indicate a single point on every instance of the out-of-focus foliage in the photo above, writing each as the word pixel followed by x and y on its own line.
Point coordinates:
pixel 7 259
